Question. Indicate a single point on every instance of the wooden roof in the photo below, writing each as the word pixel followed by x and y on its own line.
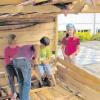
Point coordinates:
pixel 11 13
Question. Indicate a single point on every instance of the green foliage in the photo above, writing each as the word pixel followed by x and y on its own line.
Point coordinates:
pixel 96 37
pixel 60 36
pixel 84 36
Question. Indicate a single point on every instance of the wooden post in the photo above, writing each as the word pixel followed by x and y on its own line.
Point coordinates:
pixel 94 19
pixel 56 37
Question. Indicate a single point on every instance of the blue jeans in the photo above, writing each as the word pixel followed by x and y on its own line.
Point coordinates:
pixel 45 69
pixel 23 69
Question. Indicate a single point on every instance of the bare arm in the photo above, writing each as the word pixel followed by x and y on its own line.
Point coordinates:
pixel 77 50
pixel 63 49
pixel 35 56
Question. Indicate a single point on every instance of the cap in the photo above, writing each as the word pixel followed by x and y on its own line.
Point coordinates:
pixel 70 26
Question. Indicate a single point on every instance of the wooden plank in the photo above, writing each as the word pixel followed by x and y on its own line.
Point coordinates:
pixel 4 2
pixel 90 80
pixel 55 93
pixel 75 86
pixel 37 28
pixel 61 91
pixel 67 98
pixel 47 94
pixel 28 9
pixel 72 81
pixel 34 96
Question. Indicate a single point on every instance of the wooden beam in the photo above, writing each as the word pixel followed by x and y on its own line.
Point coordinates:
pixel 19 21
pixel 28 9
pixel 82 76
pixel 56 36
pixel 33 16
pixel 92 9
pixel 5 2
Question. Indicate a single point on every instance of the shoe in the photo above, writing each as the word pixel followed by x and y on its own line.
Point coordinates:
pixel 46 82
pixel 17 96
pixel 40 85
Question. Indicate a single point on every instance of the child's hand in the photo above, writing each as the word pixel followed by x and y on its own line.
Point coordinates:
pixel 45 62
pixel 73 55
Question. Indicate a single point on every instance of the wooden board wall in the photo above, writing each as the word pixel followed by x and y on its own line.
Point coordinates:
pixel 30 35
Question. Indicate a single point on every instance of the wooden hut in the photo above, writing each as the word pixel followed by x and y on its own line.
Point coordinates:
pixel 30 20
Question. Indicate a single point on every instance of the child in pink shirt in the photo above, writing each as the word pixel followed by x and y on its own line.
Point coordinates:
pixel 9 53
pixel 70 43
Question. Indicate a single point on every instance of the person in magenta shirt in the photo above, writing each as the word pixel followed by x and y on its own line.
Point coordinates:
pixel 22 63
pixel 18 63
pixel 70 43
pixel 9 53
